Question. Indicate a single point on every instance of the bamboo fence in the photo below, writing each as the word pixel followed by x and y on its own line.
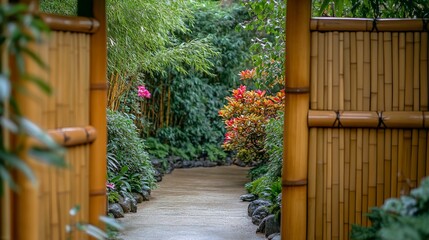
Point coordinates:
pixel 368 120
pixel 41 211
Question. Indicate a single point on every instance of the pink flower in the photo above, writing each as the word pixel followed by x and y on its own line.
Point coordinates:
pixel 143 92
pixel 260 93
pixel 110 186
pixel 238 93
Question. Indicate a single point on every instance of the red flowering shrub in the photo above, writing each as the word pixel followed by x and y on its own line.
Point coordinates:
pixel 245 116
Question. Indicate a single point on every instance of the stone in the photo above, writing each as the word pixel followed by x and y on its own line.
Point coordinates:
pixel 178 164
pixel 138 197
pixel 198 163
pixel 272 225
pixel 157 175
pixel 240 163
pixel 275 236
pixel 261 227
pixel 260 213
pixel 187 164
pixel 125 203
pixel 146 195
pixel 248 197
pixel 157 163
pixel 133 204
pixel 208 163
pixel 116 210
pixel 255 204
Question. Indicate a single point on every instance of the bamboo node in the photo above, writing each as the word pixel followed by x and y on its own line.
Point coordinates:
pixel 294 183
pixel 297 90
pixel 381 123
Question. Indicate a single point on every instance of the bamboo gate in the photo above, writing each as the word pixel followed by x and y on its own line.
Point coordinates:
pixel 363 102
pixel 75 116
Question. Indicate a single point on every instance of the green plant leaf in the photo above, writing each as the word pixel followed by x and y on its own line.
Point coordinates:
pixel 17 163
pixel 39 82
pixel 111 222
pixel 5 176
pixel 48 156
pixel 74 210
pixel 5 88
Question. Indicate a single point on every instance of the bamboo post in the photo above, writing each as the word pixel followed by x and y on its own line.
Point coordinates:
pixel 98 104
pixel 294 182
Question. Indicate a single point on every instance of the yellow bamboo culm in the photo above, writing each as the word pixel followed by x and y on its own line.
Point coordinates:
pixel 294 182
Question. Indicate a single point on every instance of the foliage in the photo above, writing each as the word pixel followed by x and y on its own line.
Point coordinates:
pixel 63 7
pixel 274 147
pixel 268 44
pixel 246 116
pixel 19 29
pixel 372 8
pixel 124 142
pixel 272 193
pixel 399 218
pixel 90 229
pixel 156 148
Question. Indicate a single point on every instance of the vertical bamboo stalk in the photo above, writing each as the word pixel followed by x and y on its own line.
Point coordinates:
pixel 312 164
pixel 388 88
pixel 328 132
pixel 380 132
pixel 347 106
pixel 294 182
pixel 423 103
pixel 98 103
pixel 341 137
pixel 372 175
pixel 395 107
pixel 401 77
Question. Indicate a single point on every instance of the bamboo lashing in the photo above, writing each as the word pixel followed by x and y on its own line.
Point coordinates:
pixel 73 136
pixel 71 23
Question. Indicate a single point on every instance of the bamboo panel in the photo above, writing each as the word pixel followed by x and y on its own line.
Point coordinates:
pixel 368 123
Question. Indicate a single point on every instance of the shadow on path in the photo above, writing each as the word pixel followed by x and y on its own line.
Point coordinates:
pixel 194 204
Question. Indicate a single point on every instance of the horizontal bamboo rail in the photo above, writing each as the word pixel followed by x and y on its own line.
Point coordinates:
pixel 368 119
pixel 71 23
pixel 73 136
pixel 366 24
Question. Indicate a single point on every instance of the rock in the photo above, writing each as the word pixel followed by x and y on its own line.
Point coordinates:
pixel 239 163
pixel 158 175
pixel 275 236
pixel 255 204
pixel 228 161
pixel 133 205
pixel 138 197
pixel 157 163
pixel 146 188
pixel 248 197
pixel 260 213
pixel 272 225
pixel 146 195
pixel 198 163
pixel 187 164
pixel 125 203
pixel 208 163
pixel 116 210
pixel 178 164
pixel 261 227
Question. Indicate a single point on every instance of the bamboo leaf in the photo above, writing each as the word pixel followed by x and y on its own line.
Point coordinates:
pixel 17 163
pixel 111 222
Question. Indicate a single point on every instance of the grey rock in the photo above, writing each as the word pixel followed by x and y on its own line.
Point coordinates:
pixel 272 225
pixel 275 236
pixel 255 204
pixel 125 203
pixel 178 164
pixel 208 163
pixel 116 210
pixel 248 197
pixel 187 164
pixel 198 164
pixel 239 163
pixel 260 213
pixel 138 197
pixel 261 227
pixel 133 204
pixel 157 163
pixel 158 175
pixel 146 195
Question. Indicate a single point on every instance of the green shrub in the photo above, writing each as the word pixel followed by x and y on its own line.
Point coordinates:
pixel 274 146
pixel 125 144
pixel 155 148
pixel 406 217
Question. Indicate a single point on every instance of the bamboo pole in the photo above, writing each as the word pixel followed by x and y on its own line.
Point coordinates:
pixel 372 175
pixel 341 137
pixel 294 182
pixel 98 103
pixel 347 104
pixel 380 132
pixel 365 24
pixel 312 163
pixel 423 104
pixel 388 89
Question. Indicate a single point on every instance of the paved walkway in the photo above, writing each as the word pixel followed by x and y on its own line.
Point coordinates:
pixel 194 204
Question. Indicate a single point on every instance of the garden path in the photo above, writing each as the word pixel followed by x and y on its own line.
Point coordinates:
pixel 194 204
